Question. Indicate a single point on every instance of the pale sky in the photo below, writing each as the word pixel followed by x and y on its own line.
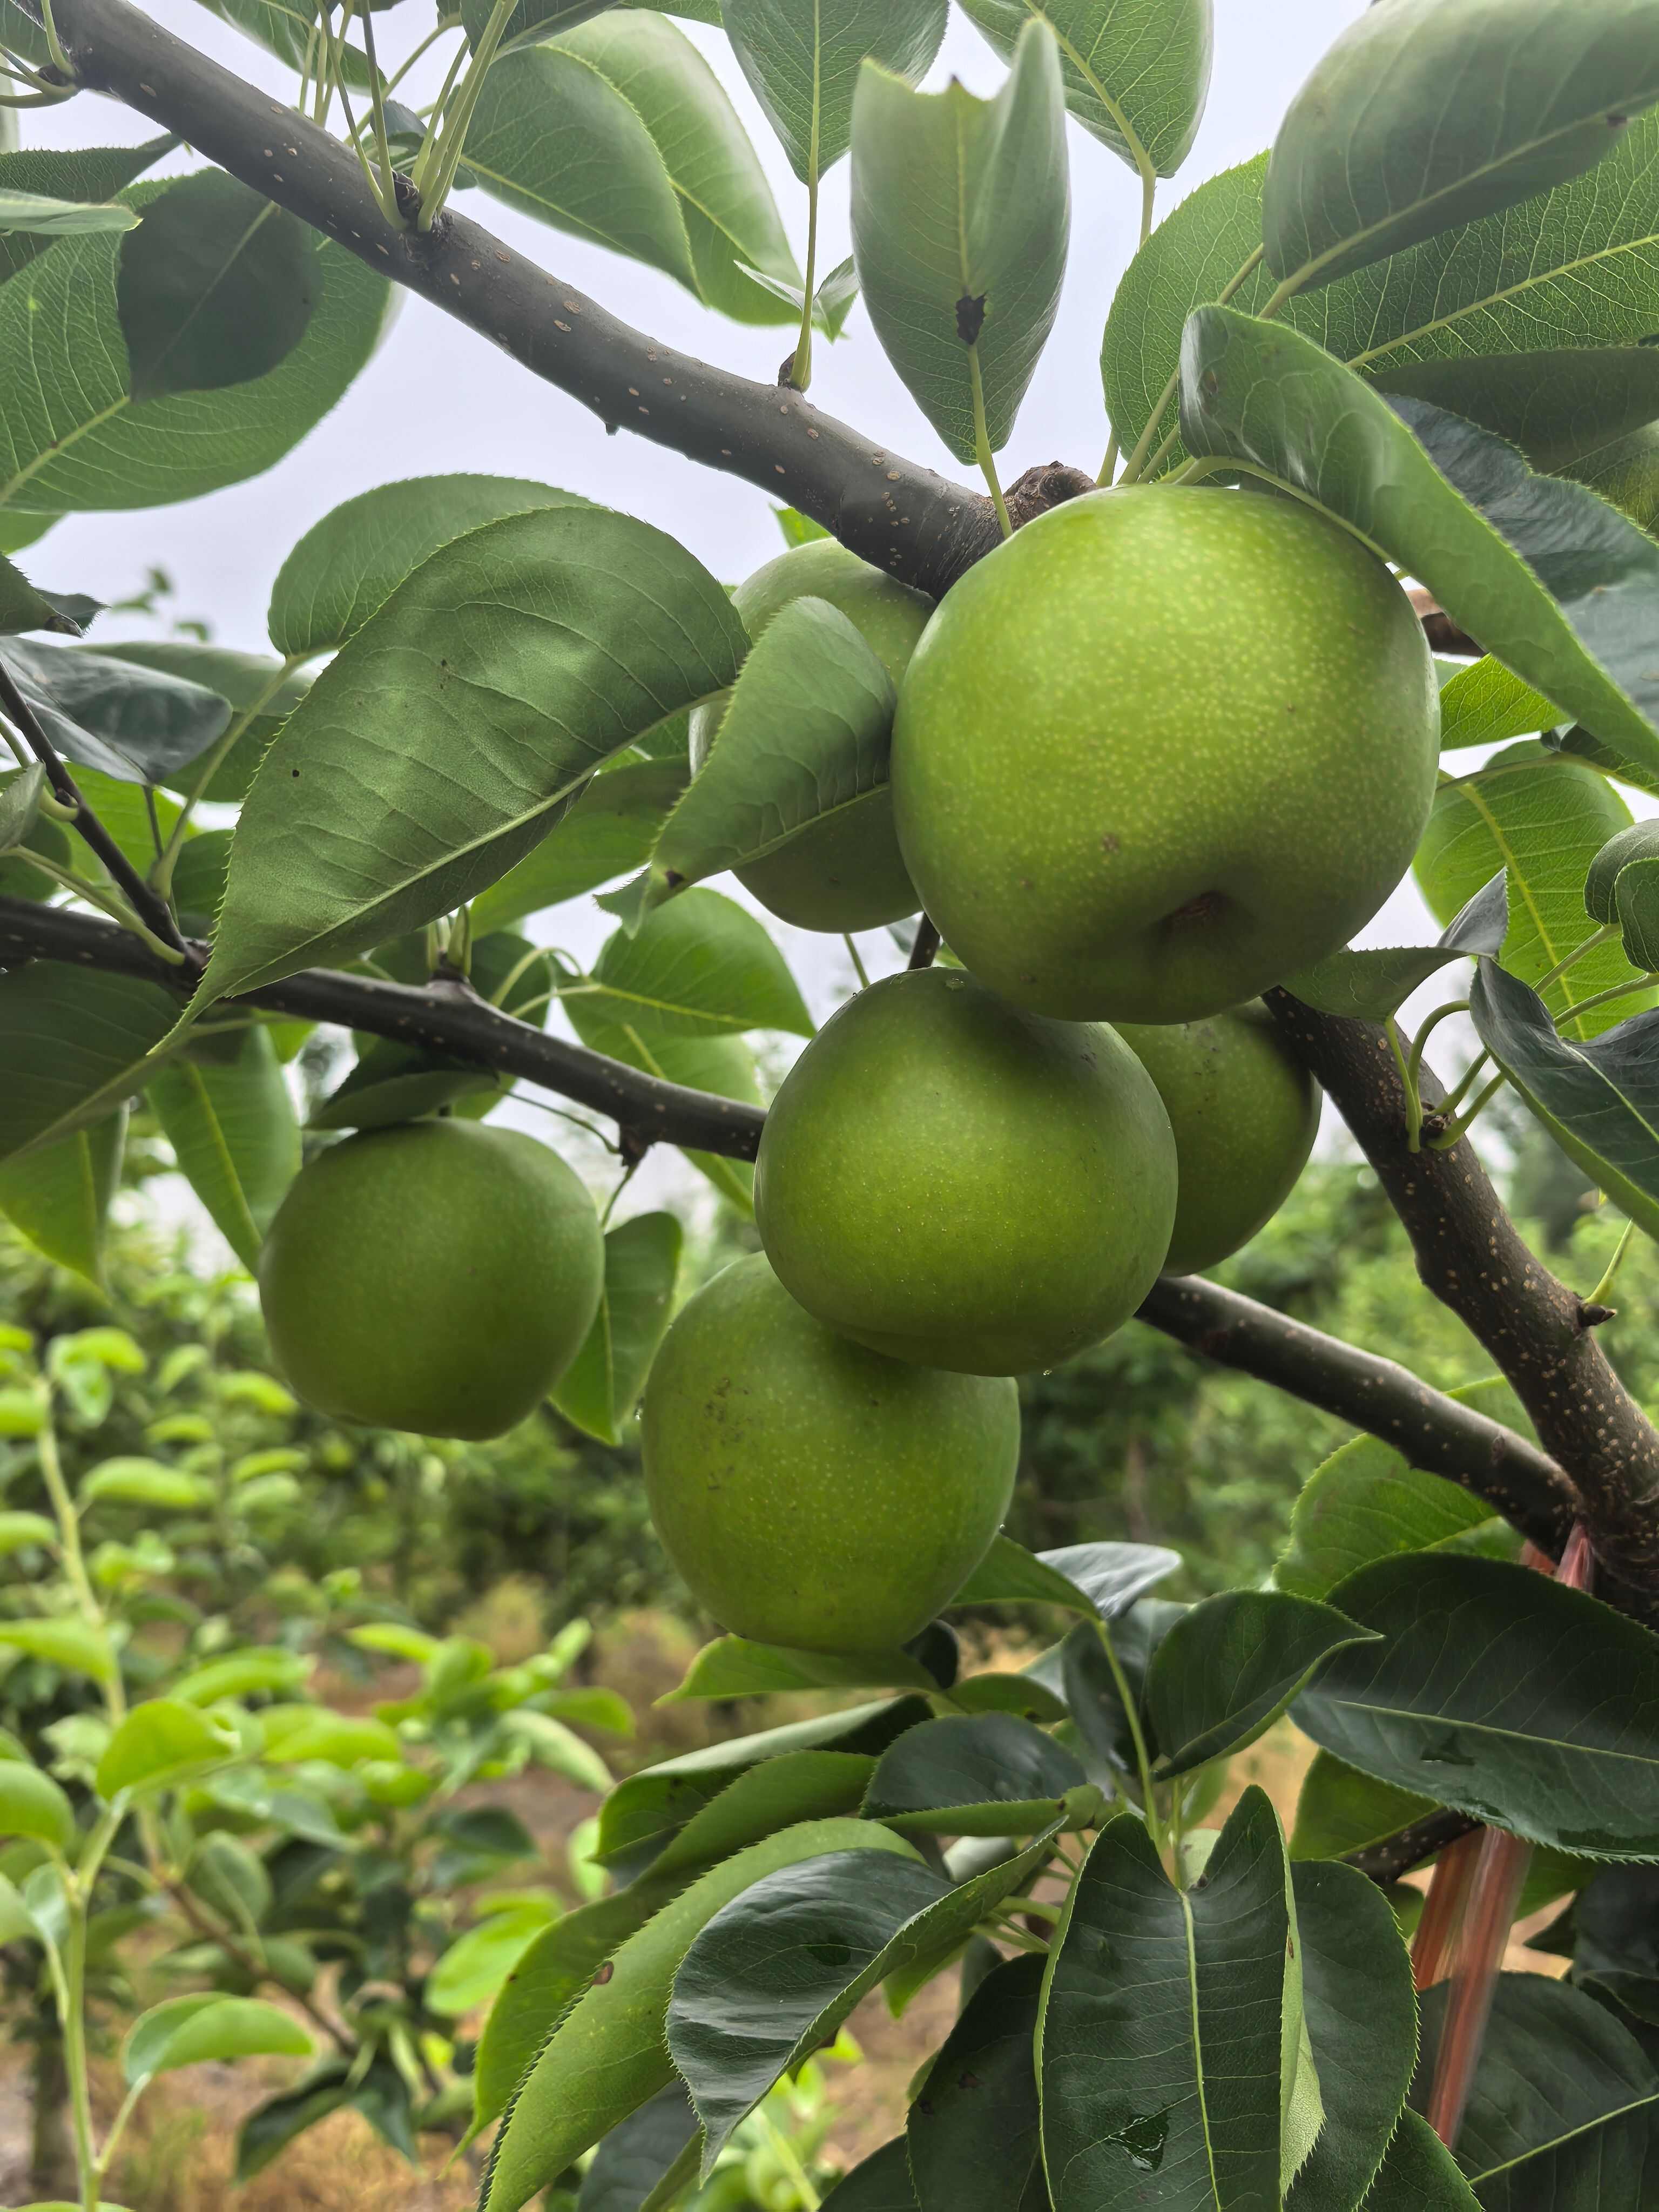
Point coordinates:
pixel 437 397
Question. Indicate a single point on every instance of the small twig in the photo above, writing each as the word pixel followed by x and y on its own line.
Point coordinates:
pixel 154 912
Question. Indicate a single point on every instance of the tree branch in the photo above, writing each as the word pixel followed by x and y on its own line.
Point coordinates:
pixel 1434 1433
pixel 1537 1330
pixel 1387 1861
pixel 902 517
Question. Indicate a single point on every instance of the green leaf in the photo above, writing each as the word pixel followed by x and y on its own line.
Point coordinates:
pixel 74 1043
pixel 475 1966
pixel 1010 1575
pixel 1483 705
pixel 880 2183
pixel 700 967
pixel 1163 2047
pixel 802 61
pixel 960 214
pixel 774 1972
pixel 620 133
pixel 1531 1707
pixel 48 218
pixel 601 1387
pixel 160 1744
pixel 1367 1501
pixel 346 566
pixel 380 2094
pixel 732 1667
pixel 1576 272
pixel 58 1198
pixel 1362 2024
pixel 642 2152
pixel 1229 1668
pixel 1564 2103
pixel 1373 982
pixel 608 832
pixel 1340 1810
pixel 259 691
pixel 558 1749
pixel 1111 1577
pixel 31 1804
pixel 778 1792
pixel 972 2132
pixel 1639 841
pixel 230 1877
pixel 190 2031
pixel 643 1811
pixel 538 644
pixel 23 608
pixel 81 176
pixel 134 725
pixel 1007 1694
pixel 1423 116
pixel 1453 504
pixel 242 1673
pixel 991 1775
pixel 1136 77
pixel 1543 817
pixel 1419 2174
pixel 233 1129
pixel 70 435
pixel 1559 406
pixel 606 2055
pixel 294 1734
pixel 217 288
pixel 723 1064
pixel 805 736
pixel 20 1531
pixel 1598 1100
pixel 147 1482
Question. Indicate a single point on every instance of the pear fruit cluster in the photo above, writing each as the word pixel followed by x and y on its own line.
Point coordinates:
pixel 1162 749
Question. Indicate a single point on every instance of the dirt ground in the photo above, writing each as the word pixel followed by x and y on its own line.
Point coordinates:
pixel 178 2154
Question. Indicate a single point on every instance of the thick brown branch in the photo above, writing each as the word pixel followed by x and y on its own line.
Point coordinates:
pixel 1434 1433
pixel 1396 1855
pixel 896 513
pixel 1537 1330
pixel 441 1018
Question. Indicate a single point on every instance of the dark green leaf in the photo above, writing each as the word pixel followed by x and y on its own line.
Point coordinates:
pixel 23 608
pixel 381 2096
pixel 1616 1922
pixel 58 1197
pixel 732 1667
pixel 778 1793
pixel 233 1129
pixel 990 1775
pixel 1421 117
pixel 803 62
pixel 960 214
pixel 1163 2047
pixel 1371 983
pixel 805 736
pixel 1599 1101
pixel 1565 2105
pixel 348 565
pixel 1532 1707
pixel 634 2157
pixel 601 1387
pixel 620 132
pixel 1419 2174
pixel 1367 1501
pixel 1091 1692
pixel 1544 815
pixel 880 2183
pixel 774 1972
pixel 542 642
pixel 74 1043
pixel 1340 1810
pixel 259 691
pixel 972 2134
pixel 1007 1694
pixel 1362 2022
pixel 1638 841
pixel 642 1813
pixel 70 435
pixel 606 2055
pixel 136 725
pixel 700 967
pixel 1558 406
pixel 1228 1669
pixel 1557 584
pixel 216 287
pixel 83 174
pixel 1136 77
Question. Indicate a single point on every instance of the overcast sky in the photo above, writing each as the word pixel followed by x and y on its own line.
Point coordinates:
pixel 437 397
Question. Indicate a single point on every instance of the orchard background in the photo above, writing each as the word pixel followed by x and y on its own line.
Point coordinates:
pixel 391 1815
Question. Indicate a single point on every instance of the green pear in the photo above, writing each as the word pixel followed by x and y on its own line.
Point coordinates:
pixel 845 873
pixel 951 1180
pixel 1245 1113
pixel 437 1276
pixel 808 1491
pixel 1163 747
